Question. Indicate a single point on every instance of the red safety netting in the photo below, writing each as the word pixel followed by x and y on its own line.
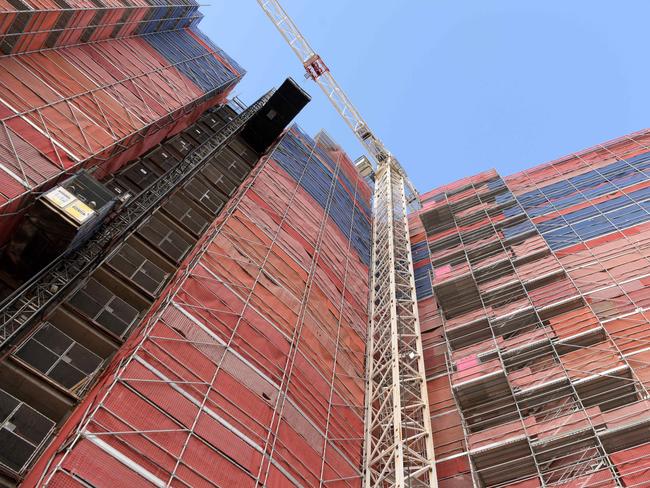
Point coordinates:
pixel 537 361
pixel 579 162
pixel 101 104
pixel 250 369
pixel 45 24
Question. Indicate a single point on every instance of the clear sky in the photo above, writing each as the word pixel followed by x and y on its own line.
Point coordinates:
pixel 457 87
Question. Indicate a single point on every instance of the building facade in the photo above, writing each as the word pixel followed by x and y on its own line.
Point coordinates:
pixel 210 331
pixel 533 295
pixel 249 367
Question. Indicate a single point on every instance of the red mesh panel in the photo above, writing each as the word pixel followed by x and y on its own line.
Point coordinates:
pixel 103 470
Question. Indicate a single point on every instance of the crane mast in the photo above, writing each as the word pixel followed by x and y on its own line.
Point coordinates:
pixel 398 445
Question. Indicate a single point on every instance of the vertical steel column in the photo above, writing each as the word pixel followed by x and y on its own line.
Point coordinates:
pixel 398 447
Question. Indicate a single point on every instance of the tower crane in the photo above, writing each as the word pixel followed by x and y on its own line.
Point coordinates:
pixel 398 445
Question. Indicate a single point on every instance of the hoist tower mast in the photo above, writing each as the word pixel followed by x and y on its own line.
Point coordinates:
pixel 398 445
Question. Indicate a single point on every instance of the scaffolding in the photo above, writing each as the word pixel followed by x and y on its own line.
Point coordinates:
pixel 26 27
pixel 99 105
pixel 534 345
pixel 249 368
pixel 53 363
pixel 30 301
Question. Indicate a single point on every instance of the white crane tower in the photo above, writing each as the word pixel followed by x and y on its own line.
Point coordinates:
pixel 398 446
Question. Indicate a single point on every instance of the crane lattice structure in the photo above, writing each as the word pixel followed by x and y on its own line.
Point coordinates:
pixel 398 447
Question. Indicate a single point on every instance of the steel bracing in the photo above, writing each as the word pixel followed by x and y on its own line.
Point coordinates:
pixel 398 446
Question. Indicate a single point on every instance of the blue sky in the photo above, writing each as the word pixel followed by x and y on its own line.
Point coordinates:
pixel 457 87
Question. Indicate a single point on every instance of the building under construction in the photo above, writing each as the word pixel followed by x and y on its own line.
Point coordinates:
pixel 533 295
pixel 192 288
